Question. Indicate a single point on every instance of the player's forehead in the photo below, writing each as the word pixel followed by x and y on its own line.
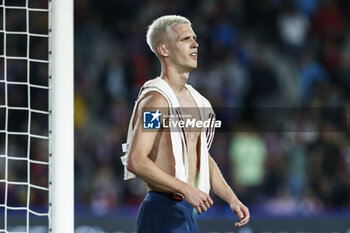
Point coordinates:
pixel 182 30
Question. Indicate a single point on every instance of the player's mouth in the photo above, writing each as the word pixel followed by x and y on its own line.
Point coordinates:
pixel 194 55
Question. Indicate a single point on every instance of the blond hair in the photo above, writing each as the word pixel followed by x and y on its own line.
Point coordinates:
pixel 161 26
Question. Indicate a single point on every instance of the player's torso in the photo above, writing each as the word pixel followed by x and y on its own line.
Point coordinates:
pixel 161 152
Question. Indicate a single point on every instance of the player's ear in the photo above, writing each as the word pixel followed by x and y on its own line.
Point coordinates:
pixel 162 51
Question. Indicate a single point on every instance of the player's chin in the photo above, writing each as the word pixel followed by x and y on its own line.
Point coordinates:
pixel 194 65
pixel 191 66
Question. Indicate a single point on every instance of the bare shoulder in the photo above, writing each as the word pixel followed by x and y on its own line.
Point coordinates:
pixel 153 99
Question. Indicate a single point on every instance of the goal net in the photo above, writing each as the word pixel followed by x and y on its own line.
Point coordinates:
pixel 27 149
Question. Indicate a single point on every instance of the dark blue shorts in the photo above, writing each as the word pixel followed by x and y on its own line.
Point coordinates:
pixel 159 213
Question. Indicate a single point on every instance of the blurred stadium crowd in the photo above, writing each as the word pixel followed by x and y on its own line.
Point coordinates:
pixel 253 53
pixel 274 53
pixel 261 60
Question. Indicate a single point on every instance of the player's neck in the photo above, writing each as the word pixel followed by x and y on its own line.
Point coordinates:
pixel 176 80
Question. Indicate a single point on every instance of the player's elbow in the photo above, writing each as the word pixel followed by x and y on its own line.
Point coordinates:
pixel 130 166
pixel 133 166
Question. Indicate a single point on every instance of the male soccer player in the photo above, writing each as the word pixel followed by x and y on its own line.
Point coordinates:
pixel 175 163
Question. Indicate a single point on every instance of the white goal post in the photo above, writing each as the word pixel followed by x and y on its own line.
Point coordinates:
pixel 62 128
pixel 36 116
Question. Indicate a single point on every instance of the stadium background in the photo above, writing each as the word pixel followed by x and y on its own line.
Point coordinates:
pixel 253 53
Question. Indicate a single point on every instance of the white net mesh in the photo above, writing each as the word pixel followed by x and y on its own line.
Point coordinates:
pixel 24 115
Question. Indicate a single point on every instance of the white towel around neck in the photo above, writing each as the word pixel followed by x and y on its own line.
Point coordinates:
pixel 178 138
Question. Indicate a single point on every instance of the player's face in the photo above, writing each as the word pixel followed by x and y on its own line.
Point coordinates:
pixel 183 47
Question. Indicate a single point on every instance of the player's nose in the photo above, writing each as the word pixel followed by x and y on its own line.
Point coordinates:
pixel 195 44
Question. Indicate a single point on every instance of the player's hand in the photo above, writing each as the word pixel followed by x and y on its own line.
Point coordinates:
pixel 241 211
pixel 198 199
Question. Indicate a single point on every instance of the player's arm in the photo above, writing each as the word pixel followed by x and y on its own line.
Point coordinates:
pixel 224 191
pixel 141 165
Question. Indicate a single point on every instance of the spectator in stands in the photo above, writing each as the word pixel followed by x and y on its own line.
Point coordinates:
pixel 248 154
pixel 310 73
pixel 328 21
pixel 293 28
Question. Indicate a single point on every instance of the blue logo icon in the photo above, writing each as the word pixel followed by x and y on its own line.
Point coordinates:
pixel 151 120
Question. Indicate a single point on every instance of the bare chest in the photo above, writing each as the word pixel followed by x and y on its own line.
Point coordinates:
pixel 190 113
